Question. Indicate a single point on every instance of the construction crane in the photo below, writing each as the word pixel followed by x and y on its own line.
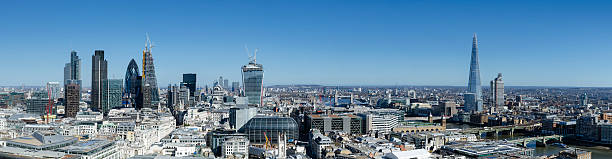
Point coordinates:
pixel 49 105
pixel 267 141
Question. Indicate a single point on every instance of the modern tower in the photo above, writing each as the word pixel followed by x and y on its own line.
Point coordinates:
pixel 189 80
pixel 149 81
pixel 584 100
pixel 72 69
pixel 111 94
pixel 252 80
pixel 98 76
pixel 497 92
pixel 132 93
pixel 72 97
pixel 473 97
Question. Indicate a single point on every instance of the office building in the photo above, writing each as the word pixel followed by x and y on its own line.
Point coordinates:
pixel 53 88
pixel 111 94
pixel 132 93
pixel 189 80
pixel 38 104
pixel 258 128
pixel 235 147
pixel 72 97
pixel 252 81
pixel 497 92
pixel 149 80
pixel 240 115
pixel 235 87
pixel 72 69
pixel 473 97
pixel 98 76
pixel 226 84
pixel 584 100
pixel 326 123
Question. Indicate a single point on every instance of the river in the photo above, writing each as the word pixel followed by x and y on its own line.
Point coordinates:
pixel 596 152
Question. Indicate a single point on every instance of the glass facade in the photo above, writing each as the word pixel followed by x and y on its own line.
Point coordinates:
pixel 272 127
pixel 111 94
pixel 252 78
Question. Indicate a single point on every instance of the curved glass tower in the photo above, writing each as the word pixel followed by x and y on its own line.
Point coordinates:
pixel 252 78
pixel 132 92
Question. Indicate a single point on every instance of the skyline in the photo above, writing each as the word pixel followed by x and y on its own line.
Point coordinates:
pixel 531 45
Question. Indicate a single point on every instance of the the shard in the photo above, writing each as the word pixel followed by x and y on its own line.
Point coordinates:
pixel 473 97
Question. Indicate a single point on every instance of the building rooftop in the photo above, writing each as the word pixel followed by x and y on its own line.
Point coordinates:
pixel 87 147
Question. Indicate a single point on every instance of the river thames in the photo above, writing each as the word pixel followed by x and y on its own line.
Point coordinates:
pixel 597 152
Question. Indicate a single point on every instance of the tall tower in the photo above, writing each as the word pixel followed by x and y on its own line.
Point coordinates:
pixel 132 93
pixel 189 80
pixel 473 97
pixel 497 92
pixel 98 76
pixel 149 81
pixel 72 84
pixel 252 80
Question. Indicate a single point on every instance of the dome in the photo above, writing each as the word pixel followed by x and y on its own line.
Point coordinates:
pixel 272 127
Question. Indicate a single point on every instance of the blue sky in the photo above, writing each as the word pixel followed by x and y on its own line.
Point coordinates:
pixel 543 43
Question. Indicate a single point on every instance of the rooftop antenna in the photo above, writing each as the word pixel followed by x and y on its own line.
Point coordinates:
pixel 255 56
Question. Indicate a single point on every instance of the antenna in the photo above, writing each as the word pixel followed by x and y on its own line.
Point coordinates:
pixel 255 56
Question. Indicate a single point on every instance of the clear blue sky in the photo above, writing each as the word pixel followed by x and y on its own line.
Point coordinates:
pixel 543 43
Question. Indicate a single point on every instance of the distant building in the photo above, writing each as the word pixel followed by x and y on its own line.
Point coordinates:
pixel 235 87
pixel 98 76
pixel 326 123
pixel 473 97
pixel 252 81
pixel 72 70
pixel 37 105
pixel 53 88
pixel 584 100
pixel 497 92
pixel 189 80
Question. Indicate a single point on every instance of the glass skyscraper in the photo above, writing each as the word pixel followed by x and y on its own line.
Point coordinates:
pixel 133 85
pixel 111 94
pixel 252 80
pixel 473 97
pixel 189 80
pixel 149 80
pixel 98 76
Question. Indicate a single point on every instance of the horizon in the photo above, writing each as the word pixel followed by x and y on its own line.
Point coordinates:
pixel 536 44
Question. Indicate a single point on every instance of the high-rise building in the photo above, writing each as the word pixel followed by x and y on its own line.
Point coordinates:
pixel 132 93
pixel 38 103
pixel 252 81
pixel 220 82
pixel 226 84
pixel 111 94
pixel 98 76
pixel 497 92
pixel 473 97
pixel 72 97
pixel 240 115
pixel 584 100
pixel 235 86
pixel 53 88
pixel 149 80
pixel 72 69
pixel 189 80
pixel 172 97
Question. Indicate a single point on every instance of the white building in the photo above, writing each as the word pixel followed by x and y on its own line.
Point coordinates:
pixel 235 146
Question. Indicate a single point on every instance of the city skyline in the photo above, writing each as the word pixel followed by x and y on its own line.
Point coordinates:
pixel 553 52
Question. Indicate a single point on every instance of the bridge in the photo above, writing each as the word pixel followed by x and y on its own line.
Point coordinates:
pixel 498 129
pixel 540 139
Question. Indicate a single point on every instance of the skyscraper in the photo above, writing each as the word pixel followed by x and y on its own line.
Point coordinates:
pixel 149 80
pixel 226 84
pixel 66 73
pixel 473 97
pixel 584 100
pixel 189 80
pixel 235 86
pixel 72 97
pixel 98 76
pixel 72 69
pixel 111 94
pixel 132 93
pixel 53 88
pixel 252 81
pixel 497 92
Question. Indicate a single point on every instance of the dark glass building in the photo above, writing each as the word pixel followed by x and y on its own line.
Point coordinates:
pixel 272 127
pixel 98 76
pixel 132 93
pixel 189 80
